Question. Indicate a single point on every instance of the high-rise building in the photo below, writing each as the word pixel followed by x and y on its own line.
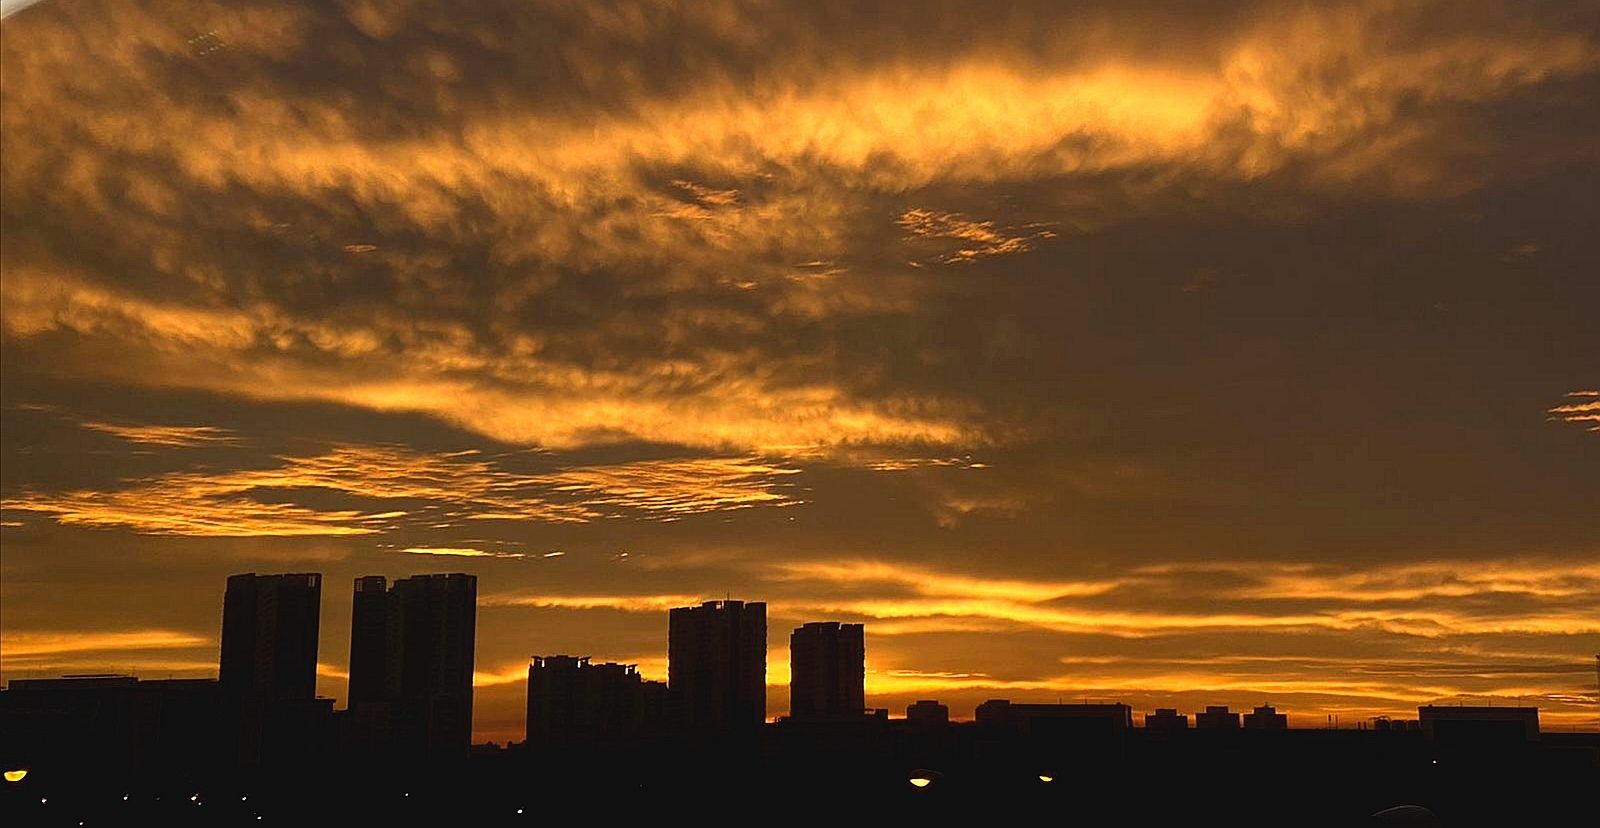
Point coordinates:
pixel 269 636
pixel 571 700
pixel 717 666
pixel 411 658
pixel 827 671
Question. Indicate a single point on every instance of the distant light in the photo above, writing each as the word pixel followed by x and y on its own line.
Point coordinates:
pixel 43 799
pixel 920 781
pixel 519 810
pixel 922 778
pixel 1045 777
pixel 124 797
pixel 16 775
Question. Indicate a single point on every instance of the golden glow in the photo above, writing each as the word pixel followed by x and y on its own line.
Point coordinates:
pixel 459 552
pixel 16 775
pixel 920 781
pixel 1044 777
pixel 939 601
pixel 933 583
pixel 625 603
pixel 509 674
pixel 16 644
pixel 142 652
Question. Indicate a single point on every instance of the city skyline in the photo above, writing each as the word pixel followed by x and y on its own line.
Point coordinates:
pixel 652 666
pixel 401 634
pixel 1172 354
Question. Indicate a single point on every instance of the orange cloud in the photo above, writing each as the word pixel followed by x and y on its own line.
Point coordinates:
pixel 778 170
pixel 674 488
pixel 932 583
pixel 168 435
pixel 459 552
pixel 624 603
pixel 978 239
pixel 465 485
pixel 1585 411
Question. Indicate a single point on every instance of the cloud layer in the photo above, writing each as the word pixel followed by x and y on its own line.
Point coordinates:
pixel 1182 353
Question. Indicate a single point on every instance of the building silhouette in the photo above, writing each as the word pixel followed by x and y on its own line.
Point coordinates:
pixel 1166 718
pixel 926 713
pixel 270 625
pixel 115 721
pixel 1216 717
pixel 827 671
pixel 1384 724
pixel 1464 726
pixel 268 671
pixel 1050 720
pixel 717 667
pixel 411 659
pixel 1265 718
pixel 370 642
pixel 571 700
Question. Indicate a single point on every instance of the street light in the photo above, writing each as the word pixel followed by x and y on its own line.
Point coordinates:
pixel 16 775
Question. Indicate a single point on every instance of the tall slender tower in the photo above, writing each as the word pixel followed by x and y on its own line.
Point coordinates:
pixel 717 667
pixel 370 619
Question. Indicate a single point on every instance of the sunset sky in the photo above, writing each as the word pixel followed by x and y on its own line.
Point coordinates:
pixel 1174 353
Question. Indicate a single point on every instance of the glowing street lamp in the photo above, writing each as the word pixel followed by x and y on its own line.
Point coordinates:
pixel 1046 778
pixel 16 775
pixel 922 778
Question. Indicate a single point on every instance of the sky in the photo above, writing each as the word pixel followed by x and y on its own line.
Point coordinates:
pixel 1173 353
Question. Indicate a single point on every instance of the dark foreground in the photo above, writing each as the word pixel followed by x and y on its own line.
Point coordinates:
pixel 1304 777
